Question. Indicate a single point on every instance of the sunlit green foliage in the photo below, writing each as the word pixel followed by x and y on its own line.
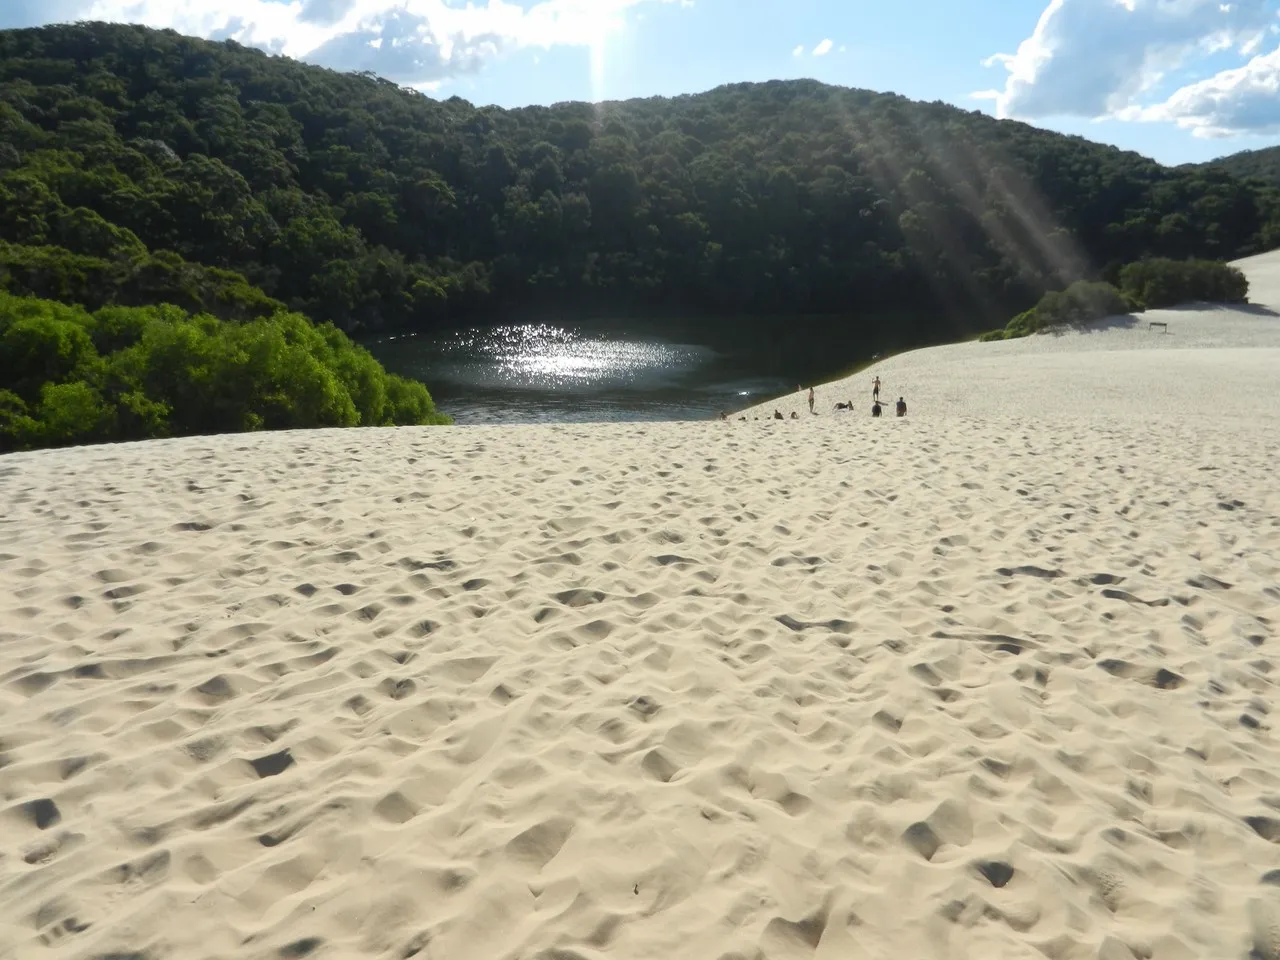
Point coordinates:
pixel 133 280
pixel 133 373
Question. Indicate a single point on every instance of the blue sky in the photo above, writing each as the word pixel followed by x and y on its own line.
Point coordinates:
pixel 1179 80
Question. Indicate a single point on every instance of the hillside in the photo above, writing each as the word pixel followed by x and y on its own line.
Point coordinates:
pixel 139 165
pixel 1263 164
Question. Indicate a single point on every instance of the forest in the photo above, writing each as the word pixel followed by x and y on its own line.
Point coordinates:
pixel 1263 165
pixel 139 167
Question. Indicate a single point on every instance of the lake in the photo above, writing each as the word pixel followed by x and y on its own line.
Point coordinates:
pixel 608 371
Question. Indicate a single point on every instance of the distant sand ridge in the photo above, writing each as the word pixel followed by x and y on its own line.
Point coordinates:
pixel 993 681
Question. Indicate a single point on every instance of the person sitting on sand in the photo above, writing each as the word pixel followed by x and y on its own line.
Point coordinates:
pixel 811 410
pixel 875 389
pixel 902 407
pixel 794 415
pixel 844 406
pixel 875 409
pixel 777 414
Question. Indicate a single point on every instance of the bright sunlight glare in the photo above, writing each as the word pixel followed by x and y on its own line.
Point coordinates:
pixel 601 22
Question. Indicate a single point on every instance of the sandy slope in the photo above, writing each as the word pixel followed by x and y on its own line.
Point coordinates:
pixel 955 686
pixel 1210 362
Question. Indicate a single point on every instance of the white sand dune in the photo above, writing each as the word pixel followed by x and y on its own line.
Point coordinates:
pixel 1215 362
pixel 967 685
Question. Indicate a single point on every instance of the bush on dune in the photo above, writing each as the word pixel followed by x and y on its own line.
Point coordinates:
pixel 1083 302
pixel 1160 282
pixel 134 373
pixel 1146 284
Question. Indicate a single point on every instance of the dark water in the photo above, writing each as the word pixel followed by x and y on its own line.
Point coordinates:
pixel 606 371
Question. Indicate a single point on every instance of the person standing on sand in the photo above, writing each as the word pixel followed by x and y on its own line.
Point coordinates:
pixel 811 399
pixel 875 389
pixel 875 409
pixel 902 407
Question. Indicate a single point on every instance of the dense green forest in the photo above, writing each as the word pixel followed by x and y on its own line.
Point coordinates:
pixel 139 166
pixel 134 373
pixel 1262 164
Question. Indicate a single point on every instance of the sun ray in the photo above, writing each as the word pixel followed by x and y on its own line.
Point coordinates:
pixel 598 53
pixel 599 44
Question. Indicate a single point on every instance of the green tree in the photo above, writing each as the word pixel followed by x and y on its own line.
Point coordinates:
pixel 40 348
pixel 72 413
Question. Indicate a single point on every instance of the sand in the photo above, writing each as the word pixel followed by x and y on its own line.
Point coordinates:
pixel 972 684
pixel 1209 362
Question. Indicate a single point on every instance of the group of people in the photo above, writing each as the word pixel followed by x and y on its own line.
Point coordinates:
pixel 900 408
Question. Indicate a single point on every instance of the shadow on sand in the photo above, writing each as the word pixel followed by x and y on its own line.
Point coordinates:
pixel 1137 321
pixel 1253 309
pixel 1124 321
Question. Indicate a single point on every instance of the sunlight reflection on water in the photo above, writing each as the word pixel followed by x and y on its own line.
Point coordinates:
pixel 544 372
pixel 546 357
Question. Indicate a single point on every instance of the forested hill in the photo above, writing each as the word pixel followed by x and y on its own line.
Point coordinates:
pixel 1263 164
pixel 138 165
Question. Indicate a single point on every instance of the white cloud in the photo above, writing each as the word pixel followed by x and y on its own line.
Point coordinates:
pixel 798 51
pixel 1096 58
pixel 1240 100
pixel 823 48
pixel 416 42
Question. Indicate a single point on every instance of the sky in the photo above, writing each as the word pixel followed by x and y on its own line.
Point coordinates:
pixel 1178 80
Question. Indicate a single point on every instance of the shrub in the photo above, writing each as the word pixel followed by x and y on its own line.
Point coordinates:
pixel 43 348
pixel 1146 284
pixel 18 429
pixel 132 373
pixel 72 413
pixel 1082 302
pixel 1167 283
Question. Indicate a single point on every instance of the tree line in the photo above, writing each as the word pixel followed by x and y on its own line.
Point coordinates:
pixel 1262 165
